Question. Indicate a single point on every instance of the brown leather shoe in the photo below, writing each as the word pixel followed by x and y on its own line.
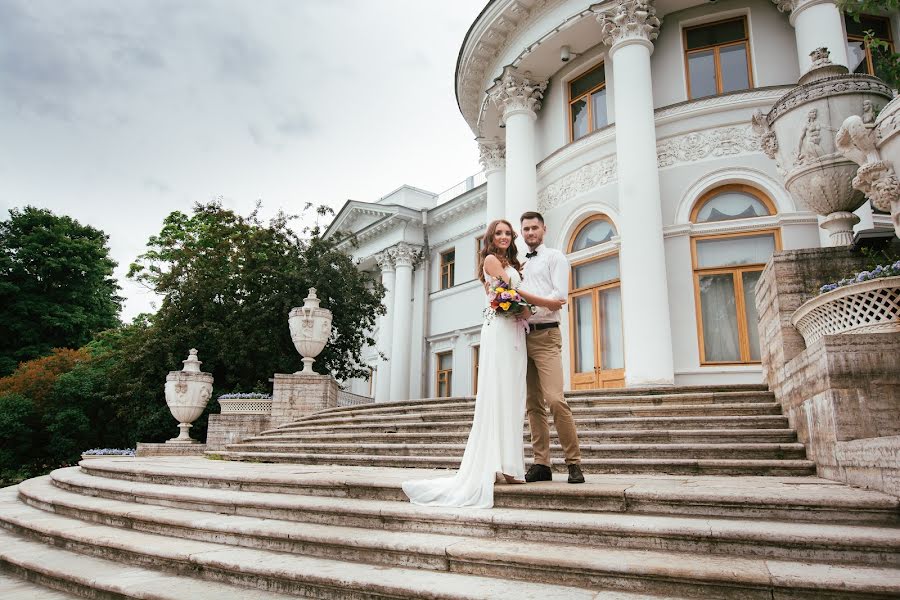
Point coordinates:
pixel 538 473
pixel 575 474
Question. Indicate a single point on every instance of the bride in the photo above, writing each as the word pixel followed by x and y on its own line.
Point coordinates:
pixel 495 442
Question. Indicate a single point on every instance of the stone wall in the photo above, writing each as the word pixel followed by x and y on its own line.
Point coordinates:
pixel 842 394
pixel 227 429
pixel 299 394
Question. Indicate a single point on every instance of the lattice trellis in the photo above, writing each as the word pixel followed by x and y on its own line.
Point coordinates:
pixel 867 307
pixel 246 406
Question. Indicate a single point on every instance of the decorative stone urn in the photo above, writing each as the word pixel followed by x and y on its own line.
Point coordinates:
pixel 187 392
pixel 874 144
pixel 798 133
pixel 310 329
pixel 871 306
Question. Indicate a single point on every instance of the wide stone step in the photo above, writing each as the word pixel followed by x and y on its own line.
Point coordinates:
pixel 807 499
pixel 689 436
pixel 670 466
pixel 284 572
pixel 705 451
pixel 675 410
pixel 14 587
pixel 341 527
pixel 693 575
pixel 467 403
pixel 614 423
pixel 619 395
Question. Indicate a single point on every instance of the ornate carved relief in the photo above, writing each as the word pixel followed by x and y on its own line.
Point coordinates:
pixel 517 91
pixel 385 260
pixel 875 178
pixel 406 255
pixel 492 155
pixel 725 141
pixel 630 20
pixel 577 182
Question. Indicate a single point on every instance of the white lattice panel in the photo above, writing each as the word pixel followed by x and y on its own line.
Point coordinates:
pixel 246 406
pixel 867 307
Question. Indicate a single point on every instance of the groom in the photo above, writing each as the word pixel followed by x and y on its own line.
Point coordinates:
pixel 546 274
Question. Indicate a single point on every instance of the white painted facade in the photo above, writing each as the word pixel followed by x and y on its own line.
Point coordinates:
pixel 645 171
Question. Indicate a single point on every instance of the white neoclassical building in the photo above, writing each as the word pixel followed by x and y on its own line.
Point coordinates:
pixel 627 124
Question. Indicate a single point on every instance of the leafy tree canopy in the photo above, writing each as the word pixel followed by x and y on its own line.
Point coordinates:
pixel 886 61
pixel 56 285
pixel 230 281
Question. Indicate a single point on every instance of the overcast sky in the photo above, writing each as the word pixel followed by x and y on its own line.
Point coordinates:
pixel 118 112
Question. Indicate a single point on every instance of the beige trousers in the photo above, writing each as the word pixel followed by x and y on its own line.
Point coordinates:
pixel 545 390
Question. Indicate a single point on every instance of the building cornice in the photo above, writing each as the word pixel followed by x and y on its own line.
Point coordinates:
pixel 454 208
pixel 739 225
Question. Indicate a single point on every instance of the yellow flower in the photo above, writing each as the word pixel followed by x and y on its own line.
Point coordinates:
pixel 505 305
pixel 500 290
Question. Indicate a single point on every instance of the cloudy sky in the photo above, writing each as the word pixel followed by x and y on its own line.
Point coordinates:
pixel 118 112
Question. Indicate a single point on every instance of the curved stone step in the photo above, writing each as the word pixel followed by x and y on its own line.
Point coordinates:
pixel 700 451
pixel 688 436
pixel 335 525
pixel 669 466
pixel 807 499
pixel 287 573
pixel 674 410
pixel 504 561
pixel 613 423
pixel 14 587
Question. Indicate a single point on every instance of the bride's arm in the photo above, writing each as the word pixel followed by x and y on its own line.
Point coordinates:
pixel 494 269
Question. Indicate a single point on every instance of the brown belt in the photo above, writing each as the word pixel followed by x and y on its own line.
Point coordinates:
pixel 539 326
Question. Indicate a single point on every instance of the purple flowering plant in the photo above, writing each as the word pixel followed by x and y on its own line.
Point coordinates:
pixel 889 270
pixel 245 396
pixel 109 452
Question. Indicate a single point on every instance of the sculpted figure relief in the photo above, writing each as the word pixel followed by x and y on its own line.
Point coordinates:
pixel 809 147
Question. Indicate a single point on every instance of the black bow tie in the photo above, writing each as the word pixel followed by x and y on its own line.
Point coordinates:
pixel 531 254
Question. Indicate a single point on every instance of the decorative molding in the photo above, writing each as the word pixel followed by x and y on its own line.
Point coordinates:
pixel 631 21
pixel 690 108
pixel 614 244
pixel 835 85
pixel 458 236
pixel 453 209
pixel 385 260
pixel 568 152
pixel 376 229
pixel 516 91
pixel 586 178
pixel 711 143
pixel 406 255
pixel 492 155
pixel 740 225
pixel 452 335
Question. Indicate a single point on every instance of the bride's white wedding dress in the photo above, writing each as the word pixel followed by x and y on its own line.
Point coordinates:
pixel 495 442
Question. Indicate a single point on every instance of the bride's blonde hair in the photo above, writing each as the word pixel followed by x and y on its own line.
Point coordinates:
pixel 507 257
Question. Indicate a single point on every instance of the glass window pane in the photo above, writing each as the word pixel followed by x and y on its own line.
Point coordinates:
pixel 587 82
pixel 702 73
pixel 720 33
pixel 596 232
pixel 856 54
pixel 878 25
pixel 598 106
pixel 718 311
pixel 584 334
pixel 743 250
pixel 733 63
pixel 749 281
pixel 446 361
pixel 597 272
pixel 449 257
pixel 731 205
pixel 612 343
pixel 580 124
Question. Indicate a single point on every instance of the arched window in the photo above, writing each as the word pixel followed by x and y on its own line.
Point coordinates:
pixel 595 310
pixel 592 232
pixel 726 269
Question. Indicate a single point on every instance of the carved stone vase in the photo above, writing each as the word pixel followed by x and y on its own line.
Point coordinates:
pixel 799 134
pixel 874 144
pixel 310 329
pixel 187 393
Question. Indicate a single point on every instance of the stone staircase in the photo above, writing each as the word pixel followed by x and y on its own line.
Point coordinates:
pixel 318 525
pixel 728 430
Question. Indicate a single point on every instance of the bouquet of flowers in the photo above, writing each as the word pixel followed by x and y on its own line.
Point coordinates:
pixel 507 302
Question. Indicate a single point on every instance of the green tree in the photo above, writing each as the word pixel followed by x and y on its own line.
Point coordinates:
pixel 886 61
pixel 56 285
pixel 228 283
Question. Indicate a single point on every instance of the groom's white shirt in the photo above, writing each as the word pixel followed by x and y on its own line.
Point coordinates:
pixel 547 275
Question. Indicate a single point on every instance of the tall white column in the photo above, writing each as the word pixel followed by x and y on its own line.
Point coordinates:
pixel 404 258
pixel 628 30
pixel 385 260
pixel 518 95
pixel 817 24
pixel 493 160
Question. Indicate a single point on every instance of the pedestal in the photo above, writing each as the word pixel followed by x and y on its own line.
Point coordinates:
pixel 296 395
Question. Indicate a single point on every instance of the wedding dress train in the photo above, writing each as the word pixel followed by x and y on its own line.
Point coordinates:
pixel 495 442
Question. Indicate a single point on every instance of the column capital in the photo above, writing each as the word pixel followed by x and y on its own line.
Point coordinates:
pixel 515 91
pixel 492 155
pixel 796 6
pixel 406 255
pixel 630 22
pixel 385 260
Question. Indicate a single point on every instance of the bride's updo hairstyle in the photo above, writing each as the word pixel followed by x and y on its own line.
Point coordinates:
pixel 507 257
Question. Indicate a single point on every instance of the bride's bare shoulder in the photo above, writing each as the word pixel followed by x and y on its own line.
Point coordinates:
pixel 492 261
